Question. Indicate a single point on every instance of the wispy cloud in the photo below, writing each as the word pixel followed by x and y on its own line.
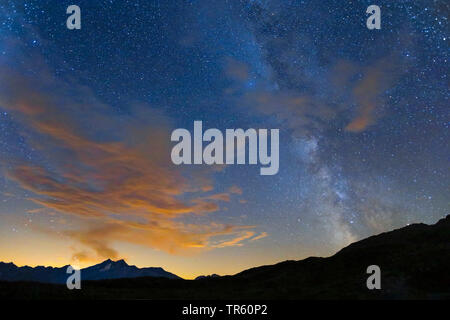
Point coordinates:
pixel 236 70
pixel 368 93
pixel 260 236
pixel 353 91
pixel 113 173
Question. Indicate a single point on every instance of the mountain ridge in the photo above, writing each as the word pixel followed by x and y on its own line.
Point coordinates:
pixel 414 262
pixel 107 269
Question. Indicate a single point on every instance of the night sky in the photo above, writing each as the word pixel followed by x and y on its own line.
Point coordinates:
pixel 86 117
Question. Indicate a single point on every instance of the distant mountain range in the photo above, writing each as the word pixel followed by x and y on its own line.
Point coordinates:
pixel 108 269
pixel 414 263
pixel 207 277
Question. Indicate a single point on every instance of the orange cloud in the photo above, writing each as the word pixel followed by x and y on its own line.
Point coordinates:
pixel 113 174
pixel 260 236
pixel 235 190
pixel 236 70
pixel 377 78
pixel 219 196
pixel 299 112
pixel 236 242
pixel 224 196
pixel 306 112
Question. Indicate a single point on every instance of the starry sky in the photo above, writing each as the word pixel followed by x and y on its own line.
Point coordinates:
pixel 86 117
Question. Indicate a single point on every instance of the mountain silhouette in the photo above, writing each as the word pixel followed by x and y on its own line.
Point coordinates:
pixel 207 277
pixel 108 269
pixel 414 263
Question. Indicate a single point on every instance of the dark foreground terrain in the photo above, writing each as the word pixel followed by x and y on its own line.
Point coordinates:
pixel 414 262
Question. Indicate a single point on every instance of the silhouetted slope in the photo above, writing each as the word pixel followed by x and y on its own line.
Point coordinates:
pixel 414 263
